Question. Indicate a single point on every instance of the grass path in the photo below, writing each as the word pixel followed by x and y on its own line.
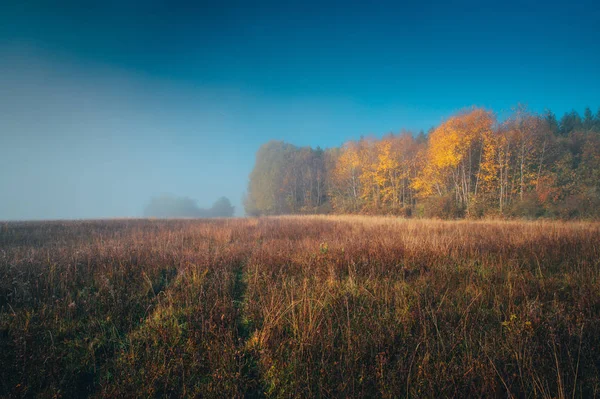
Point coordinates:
pixel 245 328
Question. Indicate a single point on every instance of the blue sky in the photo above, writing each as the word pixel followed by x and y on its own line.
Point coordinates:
pixel 104 106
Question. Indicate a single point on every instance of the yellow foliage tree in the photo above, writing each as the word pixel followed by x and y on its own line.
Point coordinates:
pixel 345 178
pixel 454 156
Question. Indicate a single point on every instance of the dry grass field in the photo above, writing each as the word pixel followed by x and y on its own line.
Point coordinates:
pixel 300 307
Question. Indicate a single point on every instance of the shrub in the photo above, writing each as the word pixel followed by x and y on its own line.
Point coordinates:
pixel 444 207
pixel 528 208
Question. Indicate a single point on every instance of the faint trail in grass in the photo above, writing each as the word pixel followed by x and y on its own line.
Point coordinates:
pixel 249 358
pixel 156 286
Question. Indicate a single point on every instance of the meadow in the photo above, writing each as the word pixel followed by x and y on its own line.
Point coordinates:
pixel 300 306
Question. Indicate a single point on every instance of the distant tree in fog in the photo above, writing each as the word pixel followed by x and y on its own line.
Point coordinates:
pixel 167 206
pixel 286 179
pixel 221 208
pixel 170 206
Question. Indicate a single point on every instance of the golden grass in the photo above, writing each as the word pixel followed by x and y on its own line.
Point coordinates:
pixel 300 306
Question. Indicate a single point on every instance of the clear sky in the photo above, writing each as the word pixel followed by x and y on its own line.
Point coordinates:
pixel 104 106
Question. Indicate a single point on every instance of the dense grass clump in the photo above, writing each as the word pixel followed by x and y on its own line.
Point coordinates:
pixel 299 307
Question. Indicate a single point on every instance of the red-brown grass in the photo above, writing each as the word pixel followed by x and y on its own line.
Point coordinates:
pixel 300 307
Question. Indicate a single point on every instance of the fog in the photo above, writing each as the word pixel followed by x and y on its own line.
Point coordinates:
pixel 83 141
pixel 104 107
pixel 89 141
pixel 80 139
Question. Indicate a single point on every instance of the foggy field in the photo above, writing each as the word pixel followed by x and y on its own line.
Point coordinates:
pixel 300 306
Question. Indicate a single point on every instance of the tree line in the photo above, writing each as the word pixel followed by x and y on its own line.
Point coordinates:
pixel 471 165
pixel 168 206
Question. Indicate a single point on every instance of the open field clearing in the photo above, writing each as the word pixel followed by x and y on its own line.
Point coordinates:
pixel 299 307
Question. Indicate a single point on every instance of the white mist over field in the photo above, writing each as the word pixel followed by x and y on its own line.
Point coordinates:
pixel 88 140
pixel 82 141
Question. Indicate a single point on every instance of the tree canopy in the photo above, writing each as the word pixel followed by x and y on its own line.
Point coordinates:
pixel 471 165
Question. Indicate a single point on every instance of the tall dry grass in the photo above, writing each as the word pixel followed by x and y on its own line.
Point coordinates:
pixel 342 306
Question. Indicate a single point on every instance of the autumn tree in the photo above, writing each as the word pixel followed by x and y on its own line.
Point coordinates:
pixel 528 165
pixel 345 172
pixel 266 191
pixel 454 156
pixel 286 179
pixel 394 170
